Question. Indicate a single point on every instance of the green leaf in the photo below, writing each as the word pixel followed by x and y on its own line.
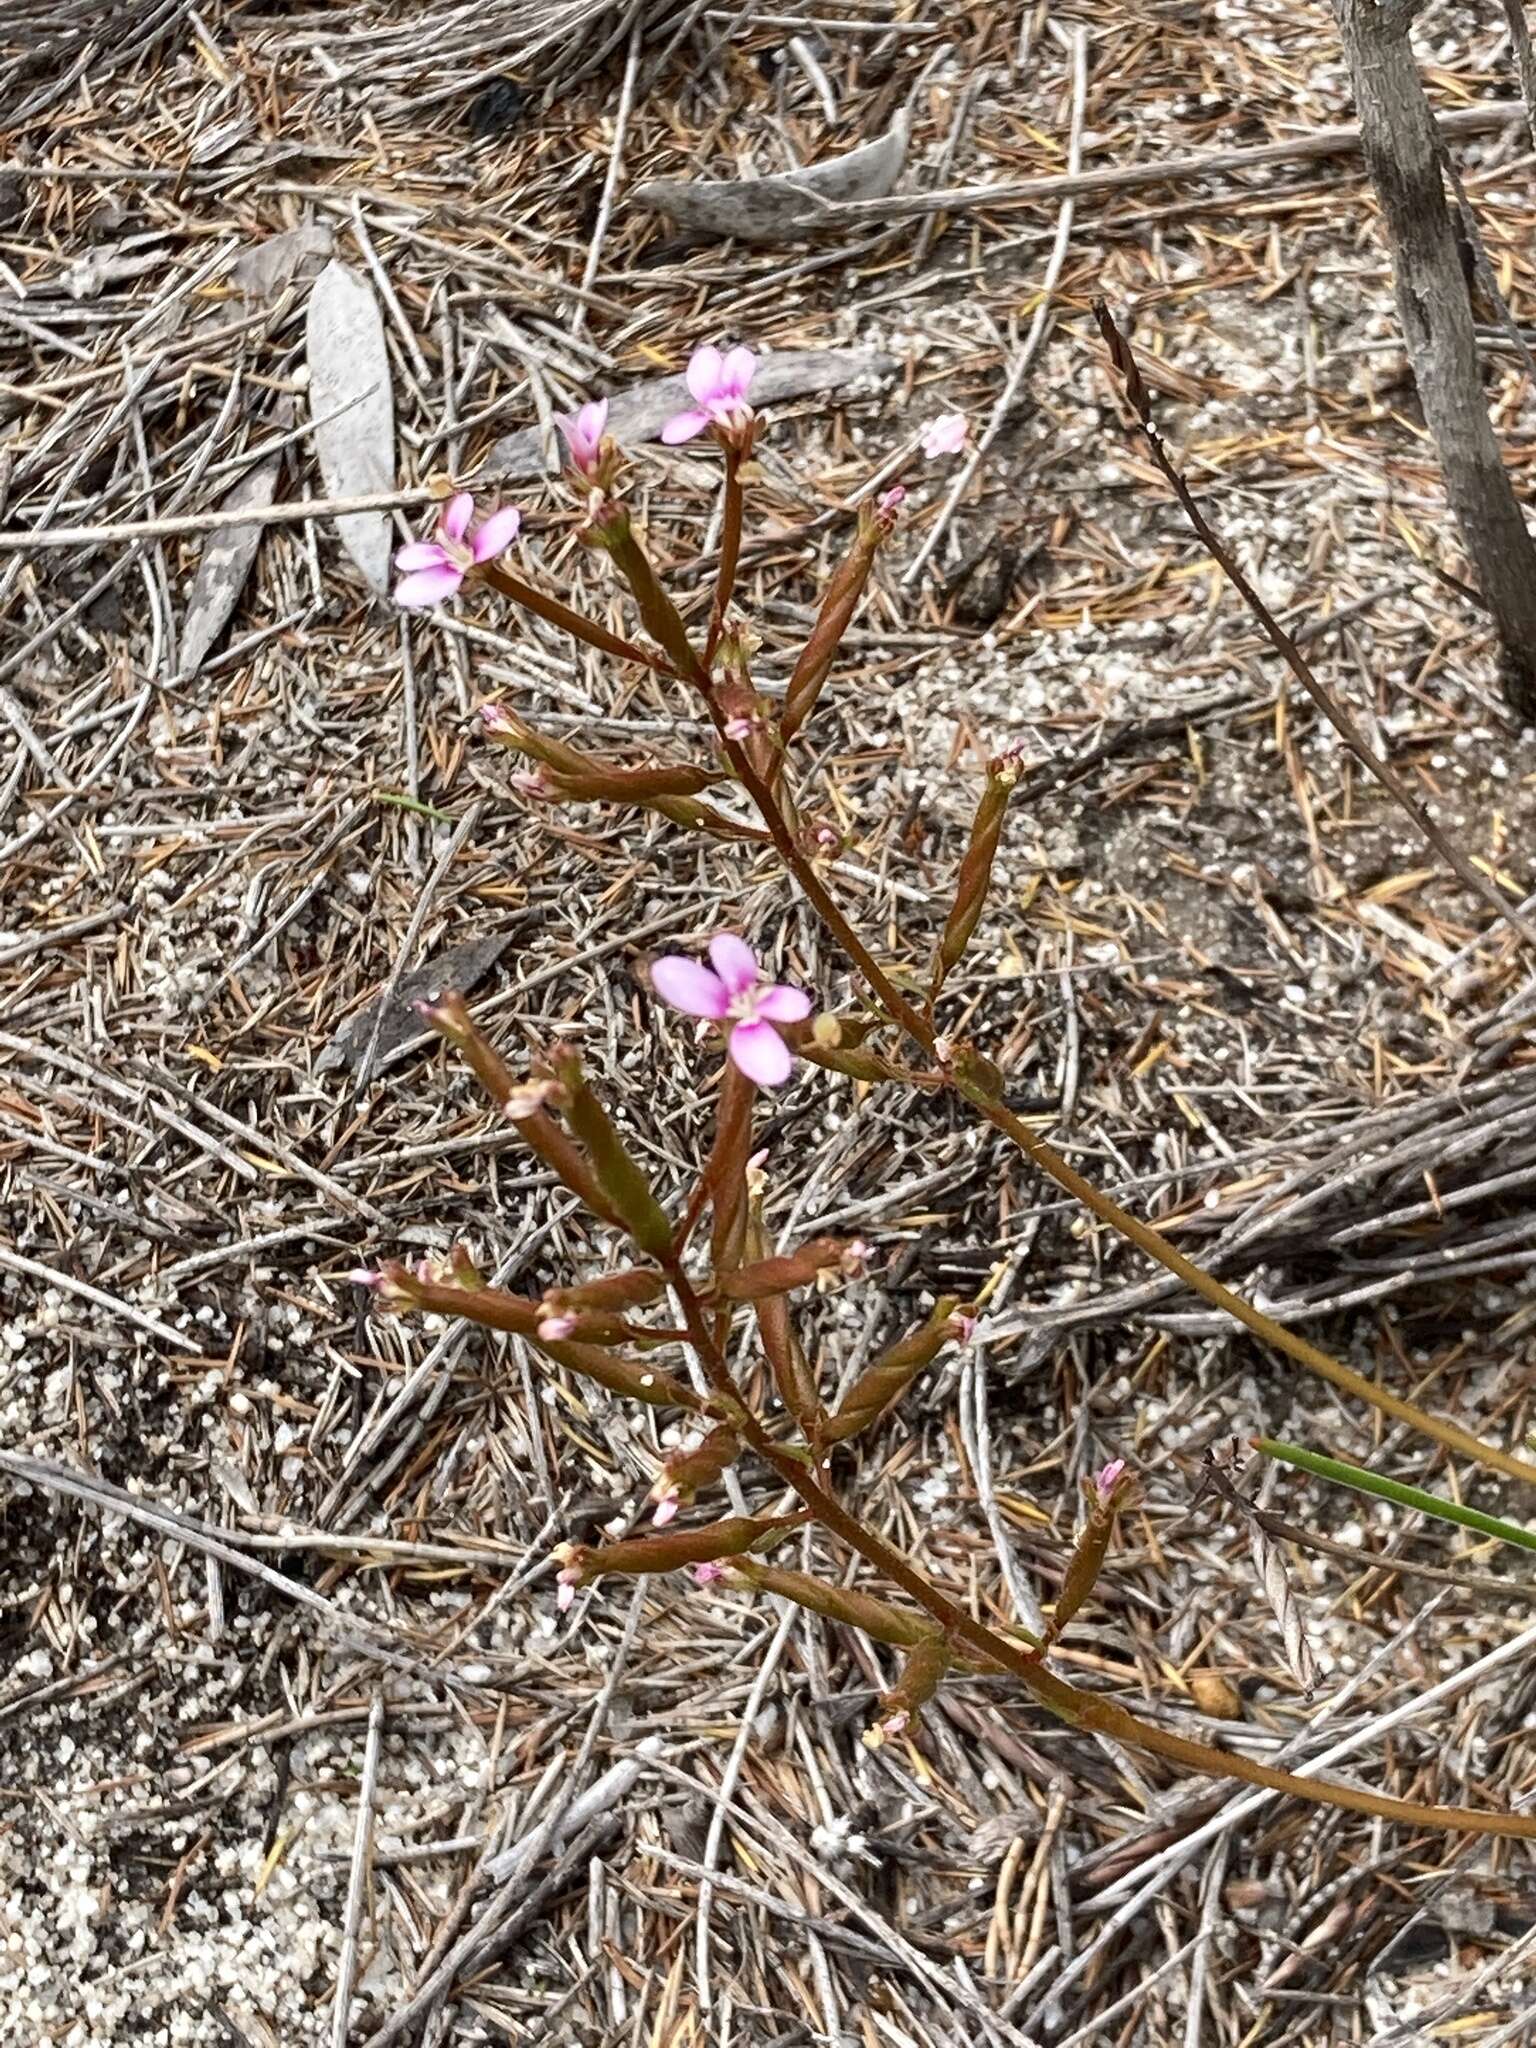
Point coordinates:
pixel 1365 1481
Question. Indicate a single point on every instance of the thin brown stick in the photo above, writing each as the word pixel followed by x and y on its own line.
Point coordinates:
pixel 1285 646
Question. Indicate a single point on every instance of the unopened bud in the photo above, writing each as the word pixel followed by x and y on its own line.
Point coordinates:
pixel 527 1098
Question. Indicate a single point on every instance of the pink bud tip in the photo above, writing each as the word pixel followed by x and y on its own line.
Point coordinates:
pixel 666 1510
pixel 1104 1481
pixel 495 718
pixel 364 1276
pixel 532 783
pixel 738 729
pixel 566 1593
pixel 962 1328
pixel 707 1574
pixel 895 1724
pixel 553 1328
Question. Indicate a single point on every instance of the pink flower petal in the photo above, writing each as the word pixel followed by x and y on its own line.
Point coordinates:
pixel 418 554
pixel 428 586
pixel 690 987
pixel 583 431
pixel 457 514
pixel 1104 1481
pixel 734 962
pixel 784 1005
pixel 946 435
pixel 497 534
pixel 683 426
pixel 761 1054
pixel 703 373
pixel 737 372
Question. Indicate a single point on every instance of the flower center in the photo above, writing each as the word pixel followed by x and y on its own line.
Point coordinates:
pixel 458 552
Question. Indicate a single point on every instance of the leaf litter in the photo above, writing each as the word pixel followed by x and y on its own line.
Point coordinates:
pixel 1220 970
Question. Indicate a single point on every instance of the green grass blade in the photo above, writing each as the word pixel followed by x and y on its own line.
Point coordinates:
pixel 1365 1481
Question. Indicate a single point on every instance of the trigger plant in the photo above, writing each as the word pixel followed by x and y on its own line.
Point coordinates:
pixel 692 1310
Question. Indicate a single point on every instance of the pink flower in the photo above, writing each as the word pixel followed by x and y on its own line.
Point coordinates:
pixel 583 433
pixel 733 991
pixel 570 1558
pixel 888 505
pixel 434 569
pixel 946 435
pixel 718 385
pixel 553 1327
pixel 668 1498
pixel 707 1574
pixel 1104 1482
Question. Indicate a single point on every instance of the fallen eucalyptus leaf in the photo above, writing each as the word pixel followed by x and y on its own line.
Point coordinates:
pixel 262 272
pixel 784 207
pixel 352 403
pixel 461 968
pixel 640 412
pixel 224 564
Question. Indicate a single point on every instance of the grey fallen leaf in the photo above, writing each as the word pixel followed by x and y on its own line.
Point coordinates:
pixel 224 565
pixel 461 967
pixel 265 270
pixel 640 412
pixel 1270 1565
pixel 784 207
pixel 352 403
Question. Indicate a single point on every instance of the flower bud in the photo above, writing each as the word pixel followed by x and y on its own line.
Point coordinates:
pixel 882 1384
pixel 975 876
pixel 685 1472
pixel 1106 1494
pixel 922 1669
